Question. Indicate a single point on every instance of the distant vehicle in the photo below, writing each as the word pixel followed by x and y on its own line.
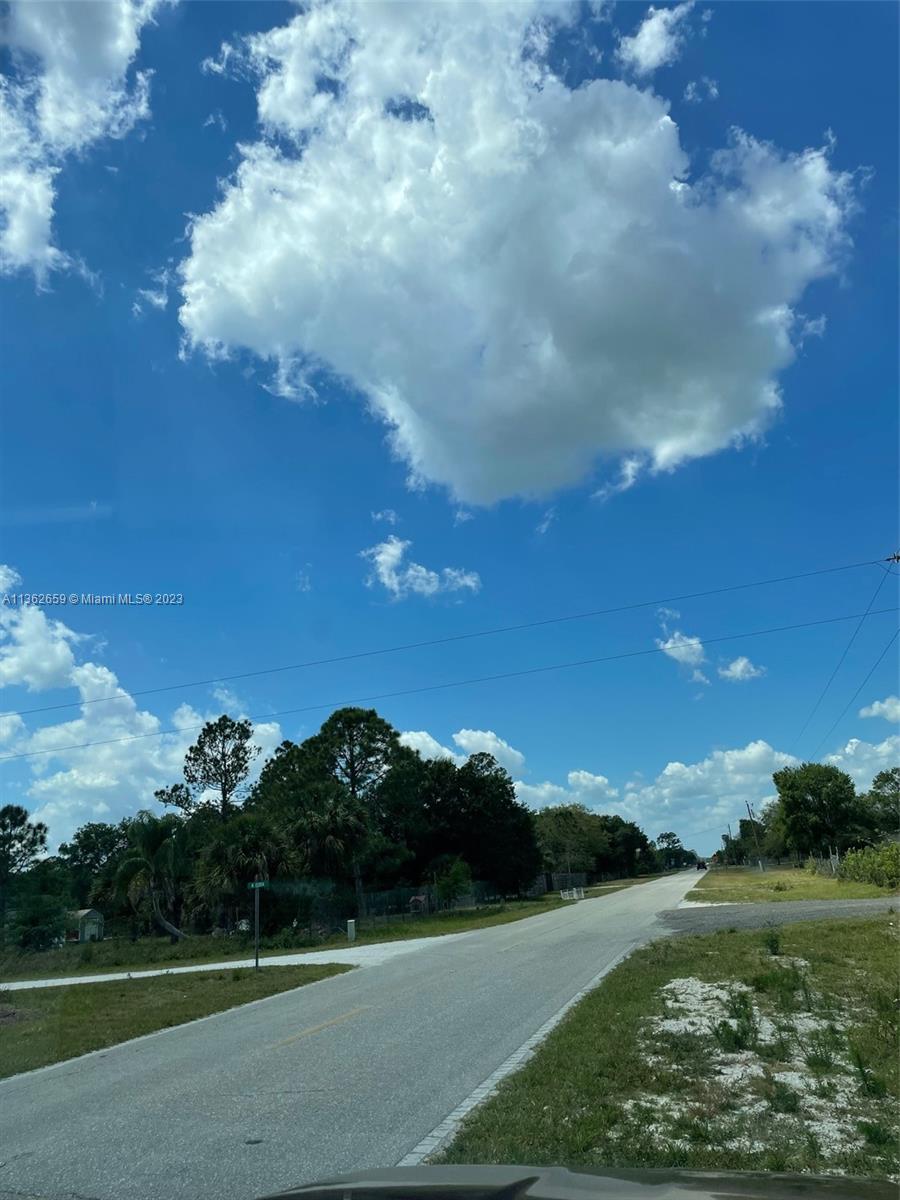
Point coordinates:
pixel 701 865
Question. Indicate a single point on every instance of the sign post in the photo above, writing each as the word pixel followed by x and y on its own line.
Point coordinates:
pixel 256 887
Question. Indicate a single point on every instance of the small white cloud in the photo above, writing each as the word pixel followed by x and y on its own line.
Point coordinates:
pixel 658 40
pixel 683 648
pixel 158 296
pixel 545 522
pixel 863 760
pixel 697 676
pixel 216 118
pixel 461 515
pixel 428 746
pixel 387 515
pixel 485 741
pixel 740 669
pixel 230 701
pixel 584 787
pixel 402 578
pixel 303 580
pixel 629 471
pixel 9 578
pixel 888 708
pixel 703 88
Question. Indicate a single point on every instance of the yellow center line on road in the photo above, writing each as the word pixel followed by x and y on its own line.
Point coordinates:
pixel 354 1012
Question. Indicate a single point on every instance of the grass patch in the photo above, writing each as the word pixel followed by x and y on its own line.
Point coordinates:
pixel 45 1025
pixel 744 885
pixel 637 1074
pixel 96 958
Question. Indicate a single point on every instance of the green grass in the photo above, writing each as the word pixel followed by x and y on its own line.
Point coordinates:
pixel 815 1027
pixel 742 885
pixel 45 1025
pixel 150 953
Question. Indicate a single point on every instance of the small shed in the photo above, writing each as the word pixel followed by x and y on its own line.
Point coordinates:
pixel 86 925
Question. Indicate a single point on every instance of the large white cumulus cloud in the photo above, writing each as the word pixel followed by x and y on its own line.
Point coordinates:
pixel 520 278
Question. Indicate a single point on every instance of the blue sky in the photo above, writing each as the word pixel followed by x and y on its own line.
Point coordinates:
pixel 610 317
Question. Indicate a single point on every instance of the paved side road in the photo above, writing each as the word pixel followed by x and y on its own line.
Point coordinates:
pixel 349 1073
pixel 354 956
pixel 758 916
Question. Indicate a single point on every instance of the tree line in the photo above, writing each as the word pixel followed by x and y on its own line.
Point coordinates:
pixel 817 811
pixel 348 812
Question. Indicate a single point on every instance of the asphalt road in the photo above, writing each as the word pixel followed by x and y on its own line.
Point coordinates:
pixel 341 1075
pixel 759 916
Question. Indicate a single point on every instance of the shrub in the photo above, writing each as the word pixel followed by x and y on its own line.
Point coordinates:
pixel 772 941
pixel 873 864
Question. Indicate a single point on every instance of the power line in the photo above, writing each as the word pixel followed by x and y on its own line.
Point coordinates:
pixel 450 638
pixel 435 687
pixel 840 661
pixel 849 703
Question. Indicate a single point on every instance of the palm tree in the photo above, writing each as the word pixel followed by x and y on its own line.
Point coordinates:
pixel 245 848
pixel 151 864
pixel 330 827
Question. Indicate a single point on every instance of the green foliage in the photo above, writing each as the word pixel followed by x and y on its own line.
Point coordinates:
pixel 91 856
pixel 38 923
pixel 742 1031
pixel 454 881
pixel 772 941
pixel 819 807
pixel 882 803
pixel 220 762
pixel 873 864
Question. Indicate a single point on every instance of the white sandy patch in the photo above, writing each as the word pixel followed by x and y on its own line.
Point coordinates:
pixel 829 1104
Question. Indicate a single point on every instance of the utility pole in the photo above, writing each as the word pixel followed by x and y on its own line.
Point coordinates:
pixel 755 835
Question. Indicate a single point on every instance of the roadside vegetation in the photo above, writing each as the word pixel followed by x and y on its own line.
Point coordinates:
pixel 743 885
pixel 45 1025
pixel 769 1051
pixel 349 823
pixel 817 813
pixel 96 958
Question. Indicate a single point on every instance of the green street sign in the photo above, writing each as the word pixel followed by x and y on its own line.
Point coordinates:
pixel 258 884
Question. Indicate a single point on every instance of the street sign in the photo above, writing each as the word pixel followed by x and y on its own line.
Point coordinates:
pixel 258 884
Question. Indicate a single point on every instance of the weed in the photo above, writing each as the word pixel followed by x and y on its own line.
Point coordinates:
pixel 772 941
pixel 781 1098
pixel 780 886
pixel 742 1035
pixel 807 993
pixel 694 1129
pixel 876 1134
pixel 782 983
pixel 869 1082
pixel 778 1050
pixel 819 1051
